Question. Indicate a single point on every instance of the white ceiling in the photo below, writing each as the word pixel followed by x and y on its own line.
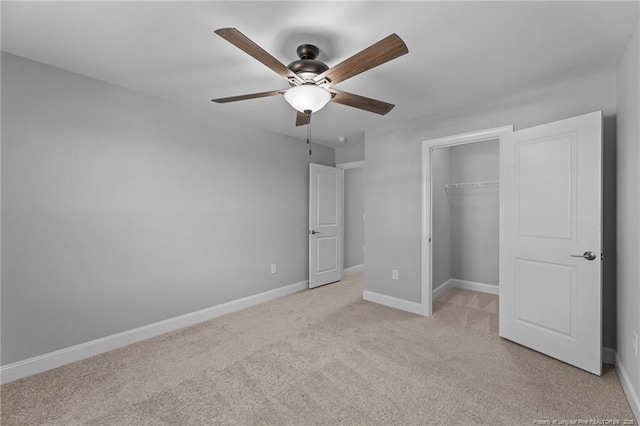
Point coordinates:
pixel 460 53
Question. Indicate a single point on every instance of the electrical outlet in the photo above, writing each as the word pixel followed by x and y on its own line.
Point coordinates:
pixel 394 274
pixel 635 343
pixel 274 268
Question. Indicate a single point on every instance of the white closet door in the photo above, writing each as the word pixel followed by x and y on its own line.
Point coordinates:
pixel 550 239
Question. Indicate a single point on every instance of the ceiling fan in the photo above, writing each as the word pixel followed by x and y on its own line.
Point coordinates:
pixel 312 81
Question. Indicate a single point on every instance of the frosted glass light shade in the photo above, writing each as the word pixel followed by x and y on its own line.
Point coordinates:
pixel 307 97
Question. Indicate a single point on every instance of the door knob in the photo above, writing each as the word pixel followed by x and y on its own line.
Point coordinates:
pixel 313 232
pixel 589 255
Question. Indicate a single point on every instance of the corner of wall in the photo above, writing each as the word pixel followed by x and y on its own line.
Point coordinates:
pixel 628 229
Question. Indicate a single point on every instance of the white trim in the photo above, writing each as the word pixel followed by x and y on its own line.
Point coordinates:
pixel 427 146
pixel 474 286
pixel 351 165
pixel 426 287
pixel 609 356
pixel 465 285
pixel 38 364
pixel 441 288
pixel 354 269
pixel 627 387
pixel 394 302
pixel 464 138
pixel 341 223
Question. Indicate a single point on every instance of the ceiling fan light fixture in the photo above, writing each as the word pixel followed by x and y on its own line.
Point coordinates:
pixel 307 97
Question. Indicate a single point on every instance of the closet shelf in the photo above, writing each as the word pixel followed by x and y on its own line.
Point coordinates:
pixel 472 184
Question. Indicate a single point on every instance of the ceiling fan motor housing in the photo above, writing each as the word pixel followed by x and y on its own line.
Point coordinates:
pixel 307 66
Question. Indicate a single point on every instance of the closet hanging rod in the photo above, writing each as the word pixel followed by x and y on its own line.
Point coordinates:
pixel 472 184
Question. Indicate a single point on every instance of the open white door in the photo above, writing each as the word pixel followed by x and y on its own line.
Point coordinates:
pixel 550 239
pixel 325 225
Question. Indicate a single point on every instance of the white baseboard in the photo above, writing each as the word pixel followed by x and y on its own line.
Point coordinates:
pixel 354 269
pixel 627 386
pixel 466 285
pixel 471 285
pixel 38 364
pixel 441 288
pixel 393 302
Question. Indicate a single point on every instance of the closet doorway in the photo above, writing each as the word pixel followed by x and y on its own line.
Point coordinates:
pixel 463 174
pixel 549 239
pixel 461 192
pixel 465 233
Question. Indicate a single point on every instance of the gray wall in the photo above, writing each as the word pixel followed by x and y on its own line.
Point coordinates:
pixel 353 150
pixel 353 211
pixel 475 213
pixel 465 220
pixel 628 199
pixel 120 209
pixel 393 182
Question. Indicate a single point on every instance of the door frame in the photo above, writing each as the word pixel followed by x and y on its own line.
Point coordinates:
pixel 427 200
pixel 348 166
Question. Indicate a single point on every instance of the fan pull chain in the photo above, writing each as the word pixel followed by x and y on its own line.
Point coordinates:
pixel 308 112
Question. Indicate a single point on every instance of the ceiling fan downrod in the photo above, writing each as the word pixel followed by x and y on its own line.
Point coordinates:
pixel 308 113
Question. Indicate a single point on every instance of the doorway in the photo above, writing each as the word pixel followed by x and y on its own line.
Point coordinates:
pixel 465 233
pixel 460 202
pixel 353 216
pixel 550 235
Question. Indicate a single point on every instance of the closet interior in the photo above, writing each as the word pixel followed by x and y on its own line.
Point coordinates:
pixel 465 217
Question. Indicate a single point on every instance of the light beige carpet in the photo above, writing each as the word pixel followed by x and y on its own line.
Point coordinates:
pixel 321 357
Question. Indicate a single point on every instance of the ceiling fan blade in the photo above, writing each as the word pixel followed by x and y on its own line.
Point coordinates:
pixel 242 42
pixel 249 96
pixel 361 102
pixel 383 51
pixel 302 118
